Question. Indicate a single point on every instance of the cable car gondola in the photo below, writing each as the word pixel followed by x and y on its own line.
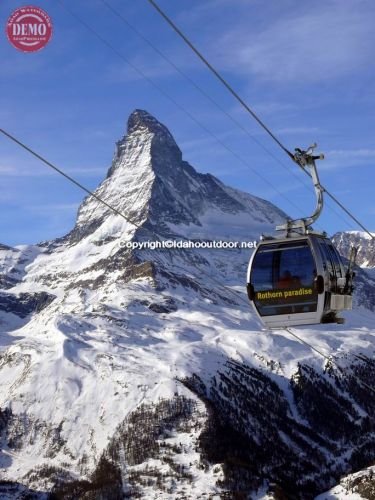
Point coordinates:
pixel 298 278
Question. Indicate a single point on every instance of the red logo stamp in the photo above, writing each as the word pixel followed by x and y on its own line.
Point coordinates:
pixel 29 28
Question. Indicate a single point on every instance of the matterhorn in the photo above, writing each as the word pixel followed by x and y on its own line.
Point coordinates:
pixel 133 371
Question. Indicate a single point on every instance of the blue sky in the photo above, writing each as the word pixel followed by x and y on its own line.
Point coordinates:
pixel 307 69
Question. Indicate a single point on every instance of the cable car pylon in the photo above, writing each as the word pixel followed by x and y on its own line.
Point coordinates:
pixel 298 277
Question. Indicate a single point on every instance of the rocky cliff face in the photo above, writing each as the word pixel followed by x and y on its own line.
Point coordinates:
pixel 149 181
pixel 366 246
pixel 364 294
pixel 128 371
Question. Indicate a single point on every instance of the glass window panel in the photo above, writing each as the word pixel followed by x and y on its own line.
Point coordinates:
pixel 283 279
pixel 335 260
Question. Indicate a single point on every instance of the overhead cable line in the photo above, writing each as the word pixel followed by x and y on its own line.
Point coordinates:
pixel 81 186
pixel 153 233
pixel 246 106
pixel 176 103
pixel 372 235
pixel 205 94
pixel 218 75
pixel 64 174
pixel 179 106
pixel 192 82
pixel 98 198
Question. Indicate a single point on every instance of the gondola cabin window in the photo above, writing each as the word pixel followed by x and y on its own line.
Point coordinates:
pixel 331 259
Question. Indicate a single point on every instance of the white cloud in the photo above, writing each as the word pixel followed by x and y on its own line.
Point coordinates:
pixel 9 170
pixel 342 158
pixel 86 171
pixel 6 170
pixel 54 207
pixel 352 153
pixel 298 130
pixel 12 169
pixel 320 42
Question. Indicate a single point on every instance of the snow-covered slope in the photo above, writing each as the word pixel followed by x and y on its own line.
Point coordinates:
pixel 145 371
pixel 358 486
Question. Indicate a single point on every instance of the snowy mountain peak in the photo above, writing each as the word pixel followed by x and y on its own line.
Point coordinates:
pixel 149 181
pixel 144 128
pixel 141 372
pixel 139 120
